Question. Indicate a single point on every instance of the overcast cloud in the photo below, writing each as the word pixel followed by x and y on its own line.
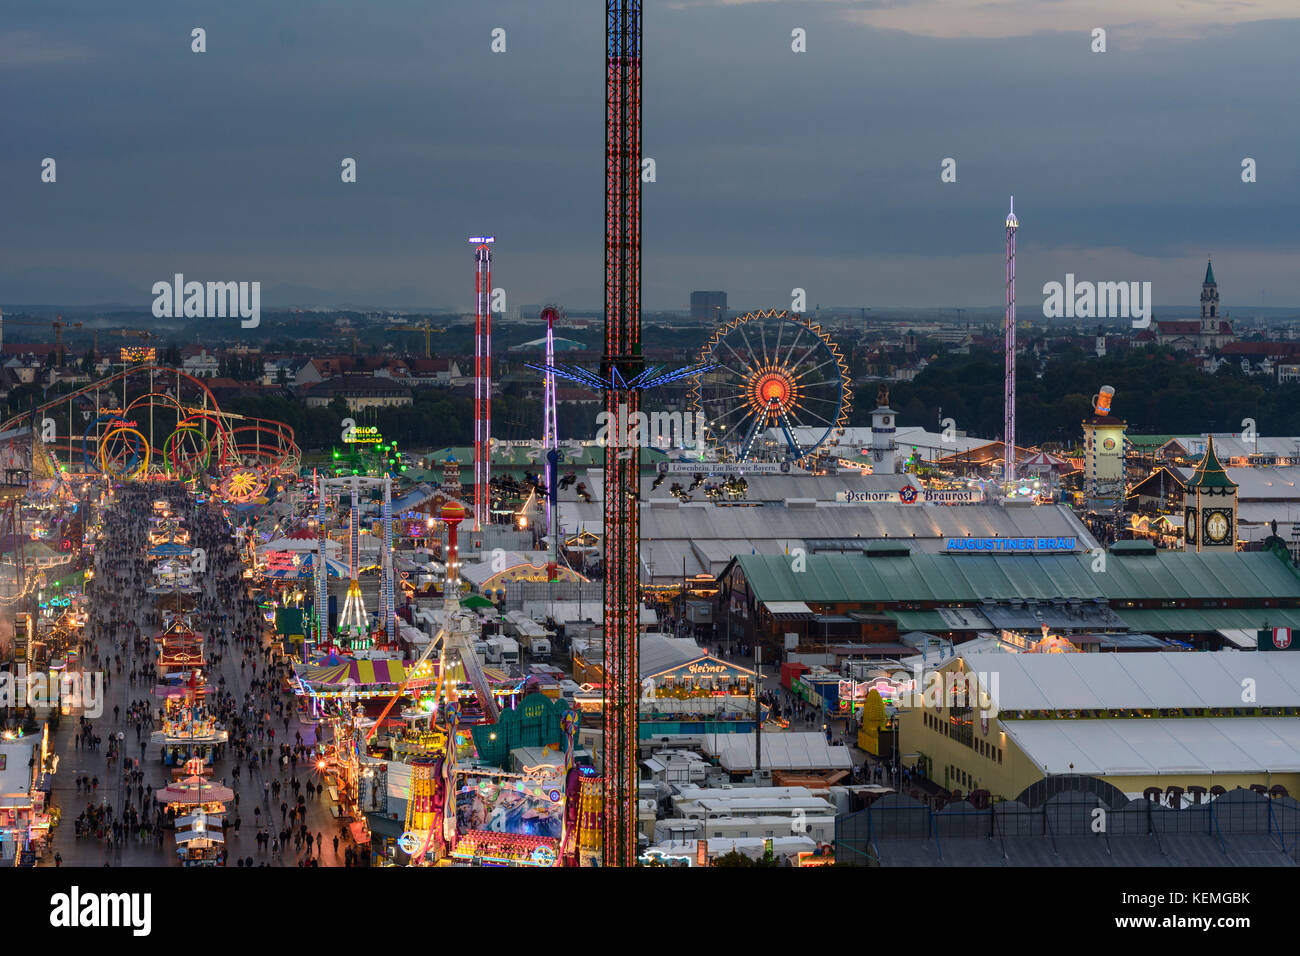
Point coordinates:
pixel 775 169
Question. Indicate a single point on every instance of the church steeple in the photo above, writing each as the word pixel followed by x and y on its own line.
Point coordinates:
pixel 1209 302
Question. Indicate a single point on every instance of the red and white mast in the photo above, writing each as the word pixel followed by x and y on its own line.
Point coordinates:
pixel 482 378
pixel 1009 394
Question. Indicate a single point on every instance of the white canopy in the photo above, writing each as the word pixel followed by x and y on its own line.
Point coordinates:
pixel 800 751
pixel 1161 745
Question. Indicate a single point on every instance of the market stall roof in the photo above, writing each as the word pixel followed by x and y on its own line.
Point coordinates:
pixel 789 610
pixel 169 548
pixel 15 774
pixel 353 672
pixel 194 790
pixel 293 542
pixel 209 819
pixel 306 569
pixel 189 836
pixel 413 498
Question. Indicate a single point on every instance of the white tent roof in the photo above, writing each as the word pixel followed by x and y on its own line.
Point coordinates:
pixel 563 612
pixel 802 751
pixel 659 652
pixel 1137 681
pixel 1160 745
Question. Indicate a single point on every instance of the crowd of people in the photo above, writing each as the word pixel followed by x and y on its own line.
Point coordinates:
pixel 252 707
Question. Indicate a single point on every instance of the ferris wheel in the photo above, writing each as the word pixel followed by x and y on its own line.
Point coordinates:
pixel 774 371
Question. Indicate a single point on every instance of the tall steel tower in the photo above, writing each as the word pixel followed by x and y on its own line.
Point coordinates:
pixel 1009 395
pixel 482 378
pixel 550 428
pixel 623 377
pixel 622 363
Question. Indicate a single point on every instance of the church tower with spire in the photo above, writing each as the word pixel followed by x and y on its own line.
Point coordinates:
pixel 1209 302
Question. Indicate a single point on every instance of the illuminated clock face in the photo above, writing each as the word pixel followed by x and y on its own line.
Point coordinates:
pixel 1216 526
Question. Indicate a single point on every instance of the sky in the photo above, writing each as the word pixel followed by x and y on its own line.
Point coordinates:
pixel 775 169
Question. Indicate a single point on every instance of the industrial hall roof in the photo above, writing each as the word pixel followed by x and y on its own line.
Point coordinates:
pixel 972 578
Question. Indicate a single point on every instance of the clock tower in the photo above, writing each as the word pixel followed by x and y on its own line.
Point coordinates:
pixel 1210 506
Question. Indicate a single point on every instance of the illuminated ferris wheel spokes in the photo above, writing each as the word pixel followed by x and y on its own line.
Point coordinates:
pixel 800 382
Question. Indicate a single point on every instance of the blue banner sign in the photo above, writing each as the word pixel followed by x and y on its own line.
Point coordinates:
pixel 1016 545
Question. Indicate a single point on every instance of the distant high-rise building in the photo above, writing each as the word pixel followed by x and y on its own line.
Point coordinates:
pixel 708 306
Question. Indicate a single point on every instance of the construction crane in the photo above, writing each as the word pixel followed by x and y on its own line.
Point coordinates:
pixel 58 325
pixel 426 328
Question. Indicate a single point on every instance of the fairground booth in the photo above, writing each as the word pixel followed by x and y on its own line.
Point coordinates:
pixel 687 691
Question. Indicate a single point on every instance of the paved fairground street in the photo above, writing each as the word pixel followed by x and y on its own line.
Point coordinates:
pixel 109 769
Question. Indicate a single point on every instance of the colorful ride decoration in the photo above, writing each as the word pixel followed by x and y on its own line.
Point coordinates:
pixel 424 809
pixel 772 371
pixel 537 721
pixel 243 484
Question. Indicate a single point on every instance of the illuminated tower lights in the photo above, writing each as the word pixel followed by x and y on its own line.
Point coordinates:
pixel 622 362
pixel 322 600
pixel 482 378
pixel 1009 395
pixel 390 572
pixel 550 430
pixel 354 606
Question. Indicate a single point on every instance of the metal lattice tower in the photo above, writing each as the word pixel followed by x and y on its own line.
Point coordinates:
pixel 550 428
pixel 622 363
pixel 322 569
pixel 1009 395
pixel 389 599
pixel 482 378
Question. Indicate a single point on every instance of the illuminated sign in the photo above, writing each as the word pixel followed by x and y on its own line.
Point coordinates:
pixel 365 435
pixel 138 353
pixel 482 239
pixel 910 495
pixel 708 669
pixel 712 468
pixel 1016 545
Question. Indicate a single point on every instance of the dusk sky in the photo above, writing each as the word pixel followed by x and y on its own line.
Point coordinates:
pixel 775 169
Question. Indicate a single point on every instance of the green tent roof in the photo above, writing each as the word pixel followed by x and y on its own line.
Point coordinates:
pixel 1209 273
pixel 1209 620
pixel 1209 472
pixel 966 579
pixel 1148 441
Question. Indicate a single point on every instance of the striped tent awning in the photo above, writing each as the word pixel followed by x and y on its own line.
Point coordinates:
pixel 354 673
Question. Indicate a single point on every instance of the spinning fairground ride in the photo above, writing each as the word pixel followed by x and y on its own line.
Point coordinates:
pixel 150 422
pixel 778 389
